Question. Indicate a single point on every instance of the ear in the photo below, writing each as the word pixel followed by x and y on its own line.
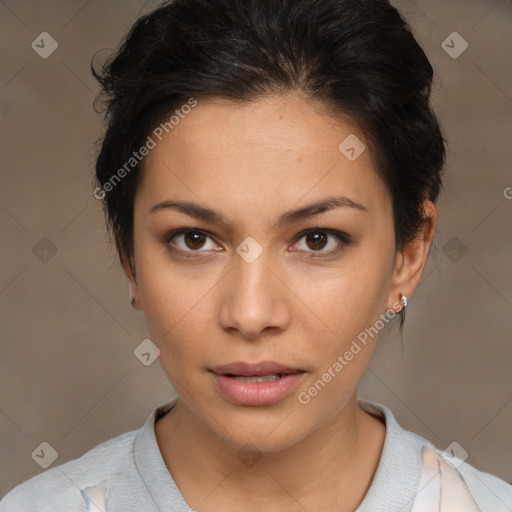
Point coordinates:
pixel 128 265
pixel 411 261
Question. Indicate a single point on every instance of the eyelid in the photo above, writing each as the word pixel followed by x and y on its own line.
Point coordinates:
pixel 343 238
pixel 333 232
pixel 181 231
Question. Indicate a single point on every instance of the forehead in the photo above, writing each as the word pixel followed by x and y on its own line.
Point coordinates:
pixel 276 150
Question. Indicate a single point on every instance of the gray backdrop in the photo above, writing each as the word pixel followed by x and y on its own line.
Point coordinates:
pixel 68 373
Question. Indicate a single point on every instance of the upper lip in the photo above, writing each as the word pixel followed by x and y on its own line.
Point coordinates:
pixel 256 369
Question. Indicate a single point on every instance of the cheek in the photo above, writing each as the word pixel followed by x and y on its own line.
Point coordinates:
pixel 171 303
pixel 177 305
pixel 343 325
pixel 342 302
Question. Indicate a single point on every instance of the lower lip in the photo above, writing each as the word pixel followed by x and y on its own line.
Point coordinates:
pixel 257 393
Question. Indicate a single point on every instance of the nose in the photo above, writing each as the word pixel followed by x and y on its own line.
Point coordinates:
pixel 254 299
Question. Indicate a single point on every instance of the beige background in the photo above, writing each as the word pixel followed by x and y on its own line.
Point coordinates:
pixel 68 375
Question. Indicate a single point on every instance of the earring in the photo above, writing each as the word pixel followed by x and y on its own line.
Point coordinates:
pixel 403 298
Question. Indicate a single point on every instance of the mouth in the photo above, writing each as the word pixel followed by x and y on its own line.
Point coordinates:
pixel 259 378
pixel 256 384
pixel 269 370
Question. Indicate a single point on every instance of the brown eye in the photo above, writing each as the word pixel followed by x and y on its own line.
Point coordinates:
pixel 194 240
pixel 318 243
pixel 316 240
pixel 189 241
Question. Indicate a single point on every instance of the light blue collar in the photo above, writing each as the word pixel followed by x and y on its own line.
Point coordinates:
pixel 436 485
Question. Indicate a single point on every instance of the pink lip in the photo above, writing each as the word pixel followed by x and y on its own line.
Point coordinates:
pixel 256 393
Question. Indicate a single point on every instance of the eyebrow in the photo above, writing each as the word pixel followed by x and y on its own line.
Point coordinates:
pixel 206 214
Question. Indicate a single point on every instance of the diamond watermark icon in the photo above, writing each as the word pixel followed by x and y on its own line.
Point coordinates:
pixel 44 250
pixel 454 45
pixel 455 454
pixel 454 250
pixel 249 250
pixel 45 455
pixel 146 352
pixel 249 455
pixel 352 147
pixel 44 45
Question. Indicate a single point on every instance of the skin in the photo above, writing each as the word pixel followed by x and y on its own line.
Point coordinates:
pixel 252 163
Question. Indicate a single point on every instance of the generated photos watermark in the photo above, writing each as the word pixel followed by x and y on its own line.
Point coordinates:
pixel 304 397
pixel 137 156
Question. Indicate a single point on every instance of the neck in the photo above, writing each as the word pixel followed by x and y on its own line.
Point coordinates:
pixel 334 464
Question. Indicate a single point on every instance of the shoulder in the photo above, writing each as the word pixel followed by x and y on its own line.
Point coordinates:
pixel 59 488
pixel 488 492
pixel 417 464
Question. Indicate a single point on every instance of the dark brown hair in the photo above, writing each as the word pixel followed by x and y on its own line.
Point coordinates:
pixel 358 58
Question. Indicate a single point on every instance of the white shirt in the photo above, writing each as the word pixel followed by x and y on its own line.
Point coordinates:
pixel 128 474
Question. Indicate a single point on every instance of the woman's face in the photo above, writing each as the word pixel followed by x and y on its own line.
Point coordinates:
pixel 247 284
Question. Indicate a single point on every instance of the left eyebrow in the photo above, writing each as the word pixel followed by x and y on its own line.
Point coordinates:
pixel 324 205
pixel 203 213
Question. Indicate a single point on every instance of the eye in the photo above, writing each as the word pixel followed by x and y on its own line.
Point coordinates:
pixel 318 242
pixel 322 242
pixel 188 240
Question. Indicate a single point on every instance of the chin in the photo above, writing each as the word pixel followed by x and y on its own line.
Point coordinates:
pixel 261 431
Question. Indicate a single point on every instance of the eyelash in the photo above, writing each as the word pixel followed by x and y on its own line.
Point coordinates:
pixel 343 239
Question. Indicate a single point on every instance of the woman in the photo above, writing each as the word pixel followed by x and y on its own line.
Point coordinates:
pixel 269 173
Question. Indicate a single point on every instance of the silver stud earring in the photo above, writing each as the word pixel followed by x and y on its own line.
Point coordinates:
pixel 403 298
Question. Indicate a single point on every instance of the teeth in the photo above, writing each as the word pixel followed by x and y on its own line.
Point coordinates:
pixel 260 378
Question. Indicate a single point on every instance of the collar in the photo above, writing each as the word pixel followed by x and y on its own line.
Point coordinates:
pixel 396 480
pixel 151 465
pixel 394 485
